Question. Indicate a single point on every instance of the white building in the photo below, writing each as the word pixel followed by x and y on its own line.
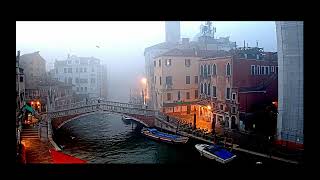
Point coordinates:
pixel 290 84
pixel 85 73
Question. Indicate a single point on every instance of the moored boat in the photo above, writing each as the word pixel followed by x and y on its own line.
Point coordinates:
pixel 164 137
pixel 215 152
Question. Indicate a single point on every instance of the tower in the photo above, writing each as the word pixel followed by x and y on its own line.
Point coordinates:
pixel 172 31
pixel 290 83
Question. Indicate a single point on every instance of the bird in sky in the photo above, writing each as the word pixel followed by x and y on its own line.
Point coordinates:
pixel 98 46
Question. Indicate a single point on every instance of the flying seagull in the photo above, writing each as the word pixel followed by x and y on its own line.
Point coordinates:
pixel 98 46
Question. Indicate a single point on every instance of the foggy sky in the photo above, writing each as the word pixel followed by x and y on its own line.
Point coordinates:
pixel 122 44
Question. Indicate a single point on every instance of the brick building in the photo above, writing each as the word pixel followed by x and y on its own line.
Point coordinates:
pixel 231 85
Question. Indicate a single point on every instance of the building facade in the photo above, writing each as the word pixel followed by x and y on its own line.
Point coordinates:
pixel 20 84
pixel 34 69
pixel 232 84
pixel 202 41
pixel 176 78
pixel 290 49
pixel 85 73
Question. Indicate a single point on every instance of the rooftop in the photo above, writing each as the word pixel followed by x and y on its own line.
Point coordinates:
pixel 193 53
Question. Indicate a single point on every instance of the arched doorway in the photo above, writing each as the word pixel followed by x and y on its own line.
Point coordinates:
pixel 233 122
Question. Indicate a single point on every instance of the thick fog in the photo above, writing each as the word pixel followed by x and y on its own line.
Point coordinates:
pixel 120 45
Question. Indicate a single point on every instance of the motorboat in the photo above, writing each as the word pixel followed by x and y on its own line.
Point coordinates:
pixel 215 152
pixel 164 137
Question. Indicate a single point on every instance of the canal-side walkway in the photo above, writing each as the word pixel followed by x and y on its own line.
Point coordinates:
pixel 36 151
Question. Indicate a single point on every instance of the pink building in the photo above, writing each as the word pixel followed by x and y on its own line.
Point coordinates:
pixel 234 84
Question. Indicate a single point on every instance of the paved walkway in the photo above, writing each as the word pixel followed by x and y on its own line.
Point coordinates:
pixel 36 150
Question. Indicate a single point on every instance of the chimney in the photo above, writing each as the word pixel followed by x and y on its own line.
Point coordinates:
pixel 257 44
pixel 244 44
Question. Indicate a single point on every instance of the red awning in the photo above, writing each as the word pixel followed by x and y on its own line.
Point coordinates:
pixel 61 158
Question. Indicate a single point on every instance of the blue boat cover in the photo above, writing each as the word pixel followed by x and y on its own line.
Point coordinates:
pixel 161 134
pixel 219 151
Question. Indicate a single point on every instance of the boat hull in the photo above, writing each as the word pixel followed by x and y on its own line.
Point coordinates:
pixel 180 140
pixel 201 148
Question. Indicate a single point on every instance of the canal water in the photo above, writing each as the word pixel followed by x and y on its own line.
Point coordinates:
pixel 105 138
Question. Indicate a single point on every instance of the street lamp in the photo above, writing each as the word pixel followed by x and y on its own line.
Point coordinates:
pixel 144 92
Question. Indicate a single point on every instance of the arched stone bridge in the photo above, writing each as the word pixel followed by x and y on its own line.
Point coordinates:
pixel 59 115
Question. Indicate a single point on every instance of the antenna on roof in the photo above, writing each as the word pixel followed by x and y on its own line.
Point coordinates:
pixel 257 44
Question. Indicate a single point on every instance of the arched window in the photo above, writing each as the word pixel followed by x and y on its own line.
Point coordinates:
pixel 209 89
pixel 201 88
pixel 205 70
pixel 205 88
pixel 228 72
pixel 209 69
pixel 214 69
pixel 201 70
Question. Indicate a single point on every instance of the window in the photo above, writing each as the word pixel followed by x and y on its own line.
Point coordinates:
pixel 159 62
pixel 209 69
pixel 69 62
pixel 83 80
pixel 205 70
pixel 214 91
pixel 169 80
pixel 66 80
pixel 201 88
pixel 209 89
pixel 188 95
pixel 21 78
pixel 93 80
pixel 196 79
pixel 92 70
pixel 187 79
pixel 178 95
pixel 272 69
pixel 77 62
pixel 77 89
pixel 65 70
pixel 69 80
pixel 69 70
pixel 155 79
pixel 85 89
pixel 262 70
pixel 253 69
pixel 154 63
pixel 276 69
pixel 205 88
pixel 57 71
pixel 168 96
pixel 258 69
pixel 228 71
pixel 228 93
pixel 201 70
pixel 160 80
pixel 81 70
pixel 85 70
pixel 81 89
pixel 214 70
pixel 267 70
pixel 77 80
pixel 168 62
pixel 233 96
pixel 233 110
pixel 187 62
pixel 76 69
pixel 221 107
pixel 196 94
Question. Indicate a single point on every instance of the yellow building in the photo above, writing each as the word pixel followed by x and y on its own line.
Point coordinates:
pixel 176 78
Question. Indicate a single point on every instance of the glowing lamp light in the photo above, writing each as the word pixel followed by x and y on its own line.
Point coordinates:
pixel 38 102
pixel 31 102
pixel 209 107
pixel 144 80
